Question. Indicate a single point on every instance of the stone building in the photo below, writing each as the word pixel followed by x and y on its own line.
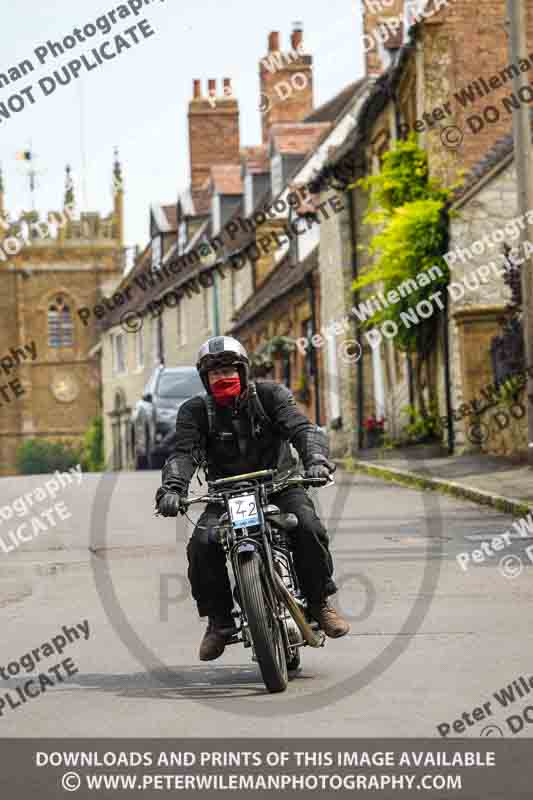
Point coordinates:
pixel 435 78
pixel 60 265
pixel 294 297
pixel 484 237
pixel 131 347
pixel 199 296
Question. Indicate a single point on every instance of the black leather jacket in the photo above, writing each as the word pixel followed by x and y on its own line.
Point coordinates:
pixel 233 447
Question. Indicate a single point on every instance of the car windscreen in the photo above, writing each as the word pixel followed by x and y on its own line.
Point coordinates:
pixel 179 384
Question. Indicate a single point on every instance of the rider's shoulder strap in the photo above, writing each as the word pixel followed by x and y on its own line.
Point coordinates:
pixel 210 409
pixel 263 416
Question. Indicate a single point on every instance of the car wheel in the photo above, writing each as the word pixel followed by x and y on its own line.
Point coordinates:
pixel 139 460
pixel 153 461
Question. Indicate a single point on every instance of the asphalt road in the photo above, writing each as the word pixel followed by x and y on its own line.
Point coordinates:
pixel 429 641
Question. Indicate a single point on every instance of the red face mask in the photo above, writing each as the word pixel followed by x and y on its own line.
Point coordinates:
pixel 225 389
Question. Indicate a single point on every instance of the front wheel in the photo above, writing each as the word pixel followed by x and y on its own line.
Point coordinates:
pixel 264 627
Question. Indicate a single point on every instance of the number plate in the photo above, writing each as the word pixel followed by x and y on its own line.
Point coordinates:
pixel 243 511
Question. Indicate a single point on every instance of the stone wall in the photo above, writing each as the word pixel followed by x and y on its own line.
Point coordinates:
pixel 475 317
pixel 62 384
pixel 335 260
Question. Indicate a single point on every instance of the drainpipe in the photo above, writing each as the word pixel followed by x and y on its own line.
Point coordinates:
pixel 447 370
pixel 314 359
pixel 447 379
pixel 357 331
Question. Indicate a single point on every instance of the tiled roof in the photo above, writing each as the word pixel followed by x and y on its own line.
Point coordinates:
pixel 226 179
pixel 497 153
pixel 395 38
pixel 171 215
pixel 202 202
pixel 332 110
pixel 196 203
pixel 281 281
pixel 256 159
pixel 297 138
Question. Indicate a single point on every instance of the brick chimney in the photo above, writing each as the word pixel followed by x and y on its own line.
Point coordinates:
pixel 382 30
pixel 213 130
pixel 286 81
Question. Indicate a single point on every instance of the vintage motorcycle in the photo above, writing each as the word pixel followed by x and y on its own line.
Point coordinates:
pixel 273 618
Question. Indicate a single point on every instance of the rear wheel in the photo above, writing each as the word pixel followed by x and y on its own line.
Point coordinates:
pixel 264 627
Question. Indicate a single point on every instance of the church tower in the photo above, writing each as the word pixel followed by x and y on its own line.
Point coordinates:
pixel 51 268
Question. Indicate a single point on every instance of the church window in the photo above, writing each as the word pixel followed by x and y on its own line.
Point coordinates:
pixel 60 326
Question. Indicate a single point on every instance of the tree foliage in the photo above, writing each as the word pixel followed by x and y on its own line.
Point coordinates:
pixel 39 456
pixel 411 211
pixel 93 446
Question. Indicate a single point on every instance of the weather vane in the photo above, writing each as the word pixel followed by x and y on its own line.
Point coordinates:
pixel 28 157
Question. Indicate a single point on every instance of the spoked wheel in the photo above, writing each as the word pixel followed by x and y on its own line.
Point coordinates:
pixel 264 627
pixel 294 663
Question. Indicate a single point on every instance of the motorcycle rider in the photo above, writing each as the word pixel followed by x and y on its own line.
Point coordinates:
pixel 239 427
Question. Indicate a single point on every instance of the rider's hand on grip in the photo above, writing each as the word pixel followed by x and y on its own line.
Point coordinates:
pixel 171 503
pixel 321 470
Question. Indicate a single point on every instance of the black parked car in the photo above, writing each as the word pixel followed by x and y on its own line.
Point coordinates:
pixel 154 419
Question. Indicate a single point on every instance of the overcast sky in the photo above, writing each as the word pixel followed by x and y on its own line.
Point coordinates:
pixel 139 100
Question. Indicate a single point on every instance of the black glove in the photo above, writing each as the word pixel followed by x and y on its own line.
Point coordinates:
pixel 322 468
pixel 170 503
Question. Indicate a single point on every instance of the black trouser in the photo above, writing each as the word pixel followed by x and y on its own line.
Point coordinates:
pixel 208 573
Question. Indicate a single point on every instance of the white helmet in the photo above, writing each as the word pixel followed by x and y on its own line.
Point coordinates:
pixel 223 351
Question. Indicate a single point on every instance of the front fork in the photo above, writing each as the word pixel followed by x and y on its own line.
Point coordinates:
pixel 271 593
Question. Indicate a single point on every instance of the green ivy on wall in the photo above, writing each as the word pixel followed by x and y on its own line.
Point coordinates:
pixel 411 211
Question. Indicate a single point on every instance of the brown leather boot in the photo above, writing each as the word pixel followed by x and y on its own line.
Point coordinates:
pixel 329 619
pixel 214 641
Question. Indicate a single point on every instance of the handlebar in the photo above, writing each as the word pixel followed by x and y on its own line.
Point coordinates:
pixel 298 480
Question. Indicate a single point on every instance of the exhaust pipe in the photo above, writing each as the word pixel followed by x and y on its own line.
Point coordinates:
pixel 313 639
